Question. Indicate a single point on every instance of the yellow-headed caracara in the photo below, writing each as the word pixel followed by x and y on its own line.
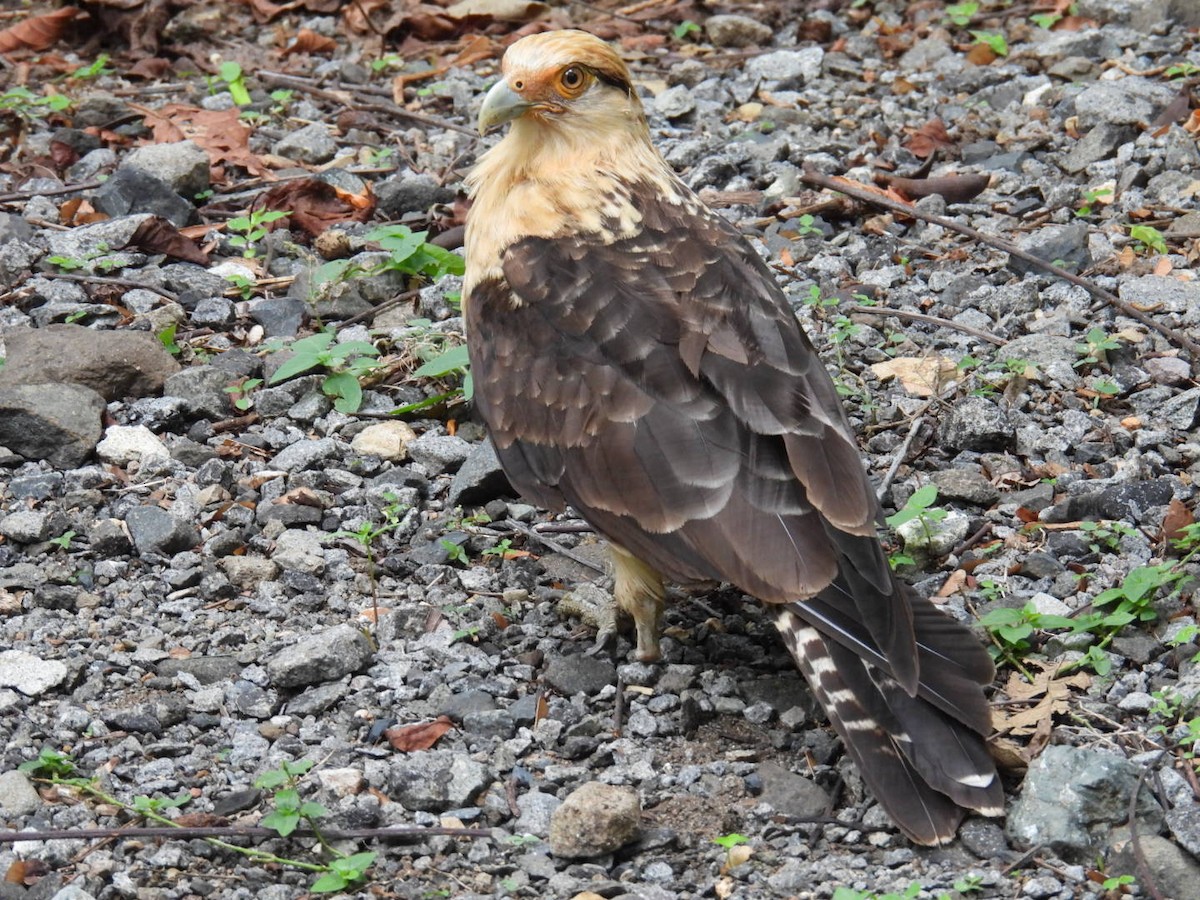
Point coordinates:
pixel 634 358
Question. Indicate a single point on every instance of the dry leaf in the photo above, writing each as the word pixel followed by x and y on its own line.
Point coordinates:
pixel 920 376
pixel 308 41
pixel 928 138
pixel 954 188
pixel 953 584
pixel 421 736
pixel 1178 517
pixel 157 235
pixel 38 32
pixel 315 204
pixel 1054 694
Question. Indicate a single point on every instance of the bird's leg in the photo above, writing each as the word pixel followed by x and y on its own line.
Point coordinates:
pixel 639 591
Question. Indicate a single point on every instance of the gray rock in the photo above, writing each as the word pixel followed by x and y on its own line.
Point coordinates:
pixel 41 486
pixel 29 674
pixel 437 780
pixel 1167 369
pixel 124 444
pixel 1141 15
pixel 479 478
pixel 984 838
pixel 154 530
pixel 130 190
pixel 1099 143
pixel 17 796
pixel 183 165
pixel 1175 296
pixel 213 311
pixel 326 656
pixel 279 316
pixel 460 705
pixel 1130 101
pixel 493 723
pixel 1184 823
pixel 304 455
pixel 977 423
pixel 409 193
pixel 311 144
pixel 59 423
pixel 537 809
pixel 299 551
pixel 736 31
pixel 1066 244
pixel 1173 871
pixel 1181 411
pixel 205 669
pixel 109 538
pixel 202 388
pixel 579 674
pixel 115 364
pixel 29 526
pixel 439 452
pixel 926 538
pixel 249 572
pixel 792 794
pixel 965 484
pixel 594 820
pixel 1049 354
pixel 787 69
pixel 675 102
pixel 1071 799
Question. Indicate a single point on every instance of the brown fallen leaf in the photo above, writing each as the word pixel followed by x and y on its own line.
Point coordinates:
pixel 157 235
pixel 920 376
pixel 315 204
pixel 1052 694
pixel 1178 518
pixel 928 138
pixel 421 736
pixel 308 41
pixel 37 32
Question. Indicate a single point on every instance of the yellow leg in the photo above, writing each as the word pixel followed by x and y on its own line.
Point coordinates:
pixel 639 591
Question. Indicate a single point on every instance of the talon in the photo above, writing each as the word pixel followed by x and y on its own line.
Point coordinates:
pixel 639 591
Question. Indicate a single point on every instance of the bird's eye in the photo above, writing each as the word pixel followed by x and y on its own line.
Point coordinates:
pixel 571 79
pixel 518 85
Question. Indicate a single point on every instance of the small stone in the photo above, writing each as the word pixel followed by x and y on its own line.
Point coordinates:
pixel 437 780
pixel 154 530
pixel 965 484
pixel 29 674
pixel 439 452
pixel 1167 369
pixel 59 423
pixel 594 820
pixel 248 572
pixel 124 444
pixel 675 102
pixel 299 551
pixel 304 455
pixel 346 782
pixel 479 479
pixel 537 808
pixel 787 69
pixel 736 31
pixel 579 674
pixel 387 440
pixel 17 795
pixel 311 144
pixel 325 656
pixel 28 526
pixel 792 794
pixel 183 165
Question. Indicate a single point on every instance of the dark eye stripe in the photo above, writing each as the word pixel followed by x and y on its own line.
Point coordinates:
pixel 612 80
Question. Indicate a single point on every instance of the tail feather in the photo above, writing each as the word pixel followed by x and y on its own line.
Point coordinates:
pixel 924 763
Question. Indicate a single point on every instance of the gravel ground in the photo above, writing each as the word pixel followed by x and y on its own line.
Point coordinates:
pixel 205 577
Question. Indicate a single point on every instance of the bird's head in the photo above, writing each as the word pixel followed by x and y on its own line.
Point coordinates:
pixel 557 78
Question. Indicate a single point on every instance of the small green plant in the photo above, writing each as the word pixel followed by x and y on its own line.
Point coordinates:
pixel 281 99
pixel 995 42
pixel 231 73
pixel 806 225
pixel 1117 882
pixel 500 550
pixel 960 14
pixel 28 105
pixel 1106 535
pixel 1182 70
pixel 368 533
pixel 49 764
pixel 455 552
pixel 685 30
pixel 728 842
pixel 451 361
pixel 1105 389
pixel 246 231
pixel 1045 20
pixel 239 393
pixel 94 70
pixel 157 805
pixel 1148 238
pixel 1091 198
pixel 814 299
pixel 919 506
pixel 411 254
pixel 243 285
pixel 166 337
pixel 390 61
pixel 78 316
pixel 64 540
pixel 969 884
pixel 1095 345
pixel 910 893
pixel 345 364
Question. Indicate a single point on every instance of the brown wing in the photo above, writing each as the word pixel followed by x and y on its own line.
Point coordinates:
pixel 661 385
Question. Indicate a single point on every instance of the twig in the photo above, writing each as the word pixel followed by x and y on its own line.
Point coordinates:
pixel 398 833
pixel 103 279
pixel 554 545
pixel 973 539
pixel 13 196
pixel 577 527
pixel 346 99
pixel 913 430
pixel 619 706
pixel 811 176
pixel 390 303
pixel 932 320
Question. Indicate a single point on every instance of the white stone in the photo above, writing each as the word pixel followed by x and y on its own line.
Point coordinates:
pixel 123 444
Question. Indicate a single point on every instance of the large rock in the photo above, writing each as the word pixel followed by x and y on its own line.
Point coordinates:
pixel 320 657
pixel 594 820
pixel 117 365
pixel 59 423
pixel 437 780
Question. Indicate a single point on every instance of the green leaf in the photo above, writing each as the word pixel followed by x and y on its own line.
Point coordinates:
pixel 444 363
pixel 345 390
pixel 280 822
pixel 1144 580
pixel 269 780
pixel 328 883
pixel 311 810
pixel 353 348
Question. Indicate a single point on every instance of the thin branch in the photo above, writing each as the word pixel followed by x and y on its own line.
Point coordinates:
pixel 811 176
pixel 103 279
pixel 913 430
pixel 554 545
pixel 14 196
pixel 399 833
pixel 933 320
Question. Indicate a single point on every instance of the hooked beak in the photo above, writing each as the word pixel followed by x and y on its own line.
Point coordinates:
pixel 501 105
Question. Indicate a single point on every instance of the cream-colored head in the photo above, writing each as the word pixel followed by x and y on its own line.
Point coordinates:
pixel 559 77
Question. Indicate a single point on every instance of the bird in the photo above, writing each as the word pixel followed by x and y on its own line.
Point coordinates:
pixel 633 358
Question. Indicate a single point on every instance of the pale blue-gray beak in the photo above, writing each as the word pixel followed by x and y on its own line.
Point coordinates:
pixel 501 105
